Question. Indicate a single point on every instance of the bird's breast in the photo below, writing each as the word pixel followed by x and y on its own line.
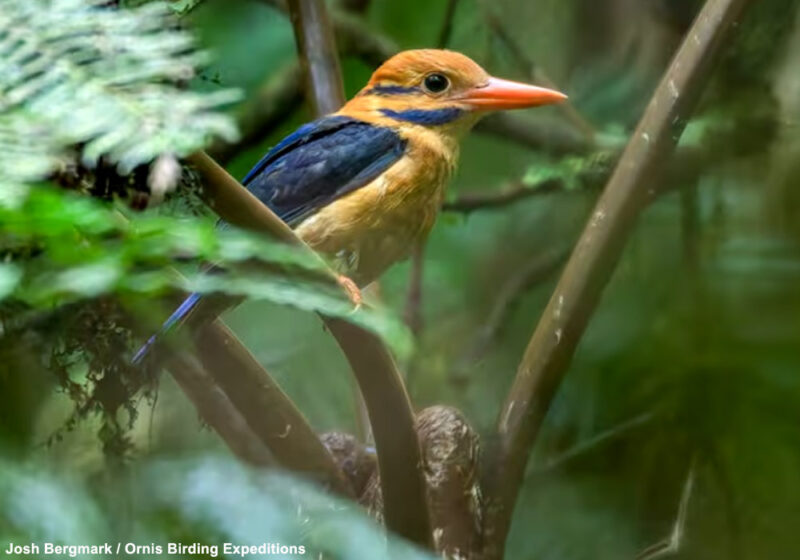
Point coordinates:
pixel 371 228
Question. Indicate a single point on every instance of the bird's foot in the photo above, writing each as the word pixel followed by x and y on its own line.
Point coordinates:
pixel 351 289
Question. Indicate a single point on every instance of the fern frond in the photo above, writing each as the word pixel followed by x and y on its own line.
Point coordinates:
pixel 73 72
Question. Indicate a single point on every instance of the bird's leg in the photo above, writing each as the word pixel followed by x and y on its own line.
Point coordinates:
pixel 351 289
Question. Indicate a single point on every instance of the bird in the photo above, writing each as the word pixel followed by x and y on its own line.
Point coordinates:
pixel 363 186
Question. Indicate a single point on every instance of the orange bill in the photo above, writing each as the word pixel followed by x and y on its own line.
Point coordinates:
pixel 498 95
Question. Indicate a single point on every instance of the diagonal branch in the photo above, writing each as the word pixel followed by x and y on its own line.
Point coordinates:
pixel 270 413
pixel 217 410
pixel 590 266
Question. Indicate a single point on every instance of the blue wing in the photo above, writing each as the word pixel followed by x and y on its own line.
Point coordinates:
pixel 315 165
pixel 321 162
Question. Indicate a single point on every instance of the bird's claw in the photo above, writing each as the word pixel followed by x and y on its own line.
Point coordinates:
pixel 351 289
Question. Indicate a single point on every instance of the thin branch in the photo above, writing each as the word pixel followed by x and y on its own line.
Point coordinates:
pixel 594 442
pixel 529 275
pixel 672 544
pixel 534 72
pixel 399 459
pixel 446 31
pixel 471 201
pixel 598 250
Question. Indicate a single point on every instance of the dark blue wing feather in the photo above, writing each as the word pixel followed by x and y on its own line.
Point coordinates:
pixel 318 163
pixel 321 162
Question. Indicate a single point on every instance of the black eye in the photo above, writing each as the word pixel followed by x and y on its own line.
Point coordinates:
pixel 436 83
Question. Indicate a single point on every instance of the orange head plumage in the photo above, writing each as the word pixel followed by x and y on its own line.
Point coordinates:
pixel 440 88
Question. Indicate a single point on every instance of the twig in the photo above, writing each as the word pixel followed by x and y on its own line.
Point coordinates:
pixel 534 72
pixel 471 201
pixel 529 275
pixel 672 544
pixel 447 24
pixel 593 443
pixel 564 319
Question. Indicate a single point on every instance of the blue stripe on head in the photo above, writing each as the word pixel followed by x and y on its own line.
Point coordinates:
pixel 425 116
pixel 391 90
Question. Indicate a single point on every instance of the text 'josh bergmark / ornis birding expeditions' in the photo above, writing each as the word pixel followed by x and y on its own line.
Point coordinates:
pixel 230 550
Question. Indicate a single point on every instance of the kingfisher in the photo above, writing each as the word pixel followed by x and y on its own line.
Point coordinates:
pixel 363 186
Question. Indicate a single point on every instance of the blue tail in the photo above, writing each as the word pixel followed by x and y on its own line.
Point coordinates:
pixel 177 317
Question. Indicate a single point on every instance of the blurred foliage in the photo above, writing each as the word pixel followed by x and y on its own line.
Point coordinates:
pixel 76 72
pixel 689 364
pixel 201 500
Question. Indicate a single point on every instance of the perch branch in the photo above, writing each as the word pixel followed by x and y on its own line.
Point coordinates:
pixel 590 266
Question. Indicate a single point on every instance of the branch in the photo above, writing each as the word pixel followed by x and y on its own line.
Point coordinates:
pixel 529 275
pixel 592 262
pixel 534 72
pixel 318 58
pixel 268 411
pixel 217 410
pixel 471 201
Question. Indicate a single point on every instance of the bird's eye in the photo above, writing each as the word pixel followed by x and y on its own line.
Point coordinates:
pixel 436 83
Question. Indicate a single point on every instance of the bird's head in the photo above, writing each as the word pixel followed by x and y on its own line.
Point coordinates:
pixel 441 88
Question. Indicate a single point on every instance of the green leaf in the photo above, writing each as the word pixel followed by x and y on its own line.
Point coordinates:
pixel 86 249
